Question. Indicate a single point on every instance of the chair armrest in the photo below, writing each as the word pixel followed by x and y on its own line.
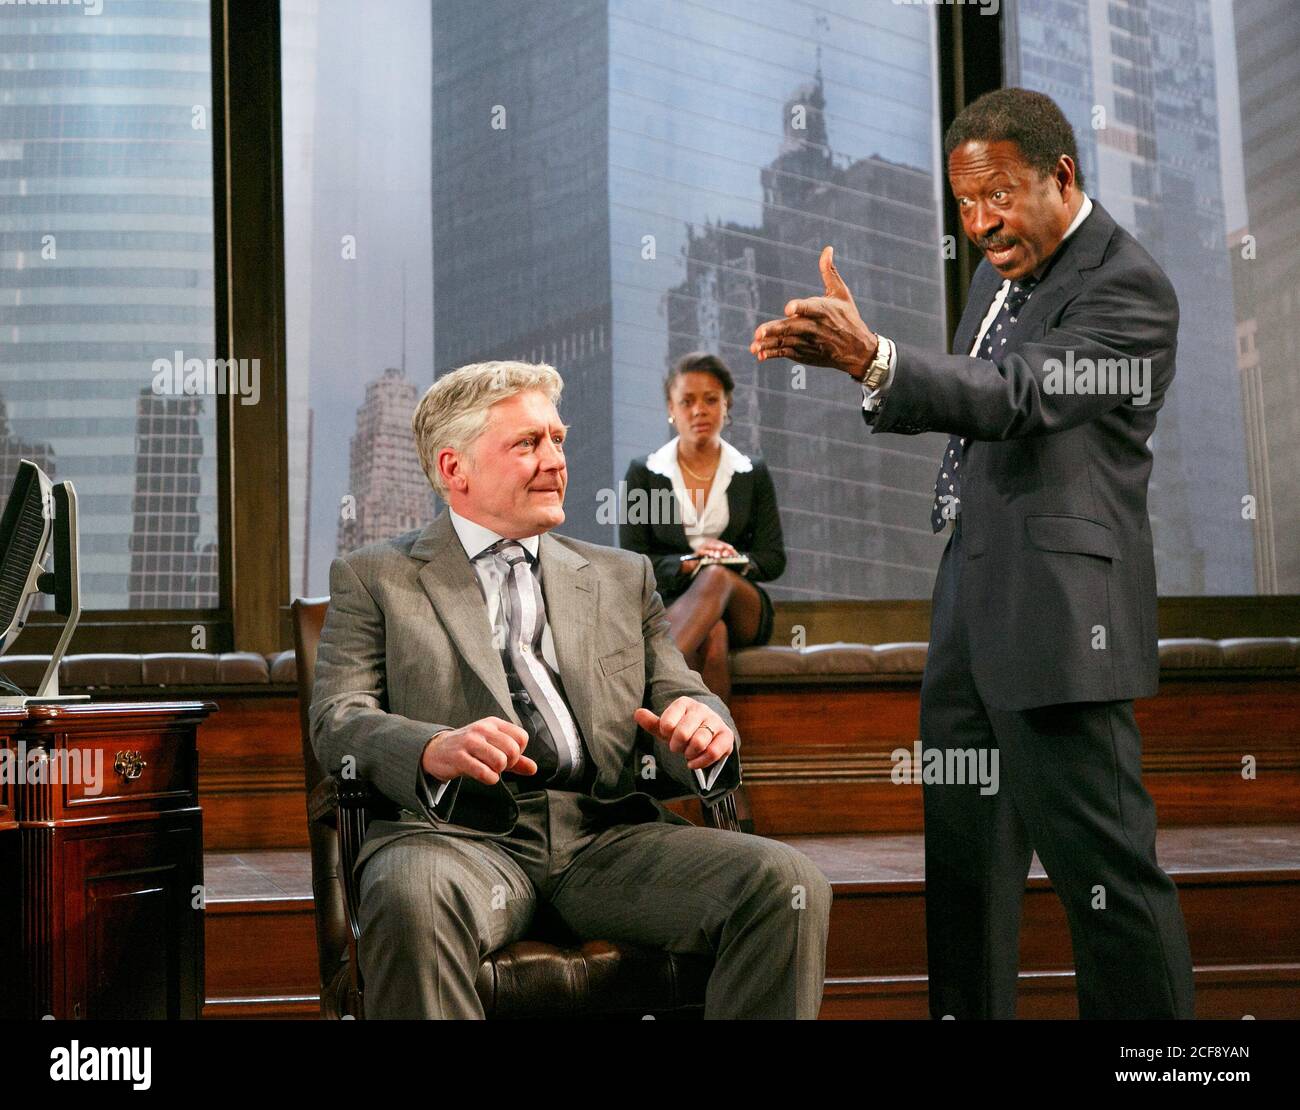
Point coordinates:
pixel 333 794
pixel 730 812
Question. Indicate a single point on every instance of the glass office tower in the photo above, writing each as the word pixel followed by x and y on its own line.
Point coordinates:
pixel 1267 34
pixel 106 262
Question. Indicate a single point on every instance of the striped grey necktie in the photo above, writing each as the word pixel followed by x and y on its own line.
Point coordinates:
pixel 553 740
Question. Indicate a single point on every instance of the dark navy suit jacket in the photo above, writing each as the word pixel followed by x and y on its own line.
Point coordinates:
pixel 1059 572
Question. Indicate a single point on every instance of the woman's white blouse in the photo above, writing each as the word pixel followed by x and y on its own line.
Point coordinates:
pixel 711 521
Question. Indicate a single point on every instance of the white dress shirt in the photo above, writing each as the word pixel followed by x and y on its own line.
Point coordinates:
pixel 871 399
pixel 712 519
pixel 475 539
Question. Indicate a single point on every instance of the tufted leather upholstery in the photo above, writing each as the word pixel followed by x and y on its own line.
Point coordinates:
pixel 531 979
pixel 847 661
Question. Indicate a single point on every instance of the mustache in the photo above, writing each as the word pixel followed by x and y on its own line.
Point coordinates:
pixel 994 243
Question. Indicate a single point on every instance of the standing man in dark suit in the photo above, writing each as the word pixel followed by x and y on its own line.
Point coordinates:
pixel 1044 614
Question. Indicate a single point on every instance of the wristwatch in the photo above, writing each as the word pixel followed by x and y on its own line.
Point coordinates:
pixel 878 367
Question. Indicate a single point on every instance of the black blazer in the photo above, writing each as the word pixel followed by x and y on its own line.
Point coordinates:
pixel 753 527
pixel 1059 573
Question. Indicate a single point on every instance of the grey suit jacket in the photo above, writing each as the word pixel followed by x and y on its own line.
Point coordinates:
pixel 406 651
pixel 1059 570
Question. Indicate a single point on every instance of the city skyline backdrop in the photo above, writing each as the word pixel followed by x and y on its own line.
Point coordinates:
pixel 652 150
pixel 605 186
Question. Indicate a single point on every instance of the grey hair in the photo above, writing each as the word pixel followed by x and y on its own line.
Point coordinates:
pixel 454 410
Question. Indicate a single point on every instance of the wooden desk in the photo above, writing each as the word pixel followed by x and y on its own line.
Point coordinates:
pixel 10 718
pixel 101 867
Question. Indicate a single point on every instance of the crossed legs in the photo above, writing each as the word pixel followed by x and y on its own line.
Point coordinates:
pixel 719 610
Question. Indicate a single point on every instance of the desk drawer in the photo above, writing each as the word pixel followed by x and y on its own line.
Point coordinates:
pixel 121 771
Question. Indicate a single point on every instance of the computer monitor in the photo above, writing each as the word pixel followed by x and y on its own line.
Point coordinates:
pixel 37 513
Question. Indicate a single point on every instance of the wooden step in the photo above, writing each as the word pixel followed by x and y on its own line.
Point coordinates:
pixel 260 938
pixel 1239 887
pixel 1228 993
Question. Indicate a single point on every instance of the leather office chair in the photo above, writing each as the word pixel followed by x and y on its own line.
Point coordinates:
pixel 550 973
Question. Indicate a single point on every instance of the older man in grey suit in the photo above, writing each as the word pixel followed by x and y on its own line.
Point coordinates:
pixel 489 678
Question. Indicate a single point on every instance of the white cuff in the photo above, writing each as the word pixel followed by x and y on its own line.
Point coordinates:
pixel 706 782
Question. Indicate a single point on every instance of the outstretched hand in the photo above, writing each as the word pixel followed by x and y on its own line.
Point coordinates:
pixel 820 331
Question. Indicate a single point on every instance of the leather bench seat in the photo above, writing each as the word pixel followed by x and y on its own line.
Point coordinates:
pixel 1280 653
pixel 813 663
pixel 844 661
pixel 163 669
pixel 829 661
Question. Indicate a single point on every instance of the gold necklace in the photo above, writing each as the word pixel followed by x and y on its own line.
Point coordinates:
pixel 698 477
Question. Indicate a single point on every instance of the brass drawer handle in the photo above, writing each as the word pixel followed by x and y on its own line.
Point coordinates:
pixel 130 765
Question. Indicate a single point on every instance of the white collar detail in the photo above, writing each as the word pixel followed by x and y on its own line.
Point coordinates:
pixel 664 460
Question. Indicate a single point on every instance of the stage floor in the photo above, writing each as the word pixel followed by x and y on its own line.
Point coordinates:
pixel 846 860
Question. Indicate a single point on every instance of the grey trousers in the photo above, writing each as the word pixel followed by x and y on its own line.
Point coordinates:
pixel 432 906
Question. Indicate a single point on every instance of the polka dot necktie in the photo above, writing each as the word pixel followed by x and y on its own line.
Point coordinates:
pixel 947 486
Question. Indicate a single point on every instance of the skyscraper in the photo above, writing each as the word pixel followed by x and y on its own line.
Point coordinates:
pixel 521 249
pixel 13 450
pixel 1255 415
pixel 106 256
pixel 171 564
pixel 389 493
pixel 862 528
pixel 1269 68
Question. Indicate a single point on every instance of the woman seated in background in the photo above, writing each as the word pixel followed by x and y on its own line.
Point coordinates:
pixel 722 505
